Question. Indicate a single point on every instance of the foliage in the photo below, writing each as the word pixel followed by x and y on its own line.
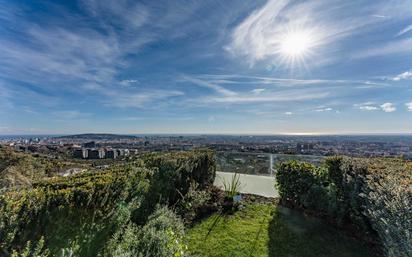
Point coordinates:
pixel 28 210
pixel 232 187
pixel 177 170
pixel 161 236
pixel 86 209
pixel 173 173
pixel 37 250
pixel 373 194
pixel 22 169
pixel 264 230
pixel 193 203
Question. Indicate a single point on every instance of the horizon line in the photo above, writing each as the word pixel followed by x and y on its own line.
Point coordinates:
pixel 227 134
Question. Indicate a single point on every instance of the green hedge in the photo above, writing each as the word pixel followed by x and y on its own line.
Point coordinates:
pixel 174 172
pixel 156 178
pixel 373 194
pixel 24 213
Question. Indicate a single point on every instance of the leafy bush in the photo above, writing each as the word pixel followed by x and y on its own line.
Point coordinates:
pixel 173 173
pixel 294 180
pixel 160 237
pixel 193 203
pixel 24 213
pixel 177 170
pixel 37 250
pixel 107 199
pixel 374 194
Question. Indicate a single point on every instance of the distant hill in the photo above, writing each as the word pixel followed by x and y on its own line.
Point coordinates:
pixel 97 136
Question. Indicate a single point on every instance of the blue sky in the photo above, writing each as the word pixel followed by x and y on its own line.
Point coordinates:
pixel 244 67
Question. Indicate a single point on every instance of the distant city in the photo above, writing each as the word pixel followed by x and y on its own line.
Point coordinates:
pixel 111 146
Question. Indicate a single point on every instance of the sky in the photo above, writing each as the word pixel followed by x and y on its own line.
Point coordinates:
pixel 219 67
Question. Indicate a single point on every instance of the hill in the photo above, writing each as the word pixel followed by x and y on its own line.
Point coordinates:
pixel 97 136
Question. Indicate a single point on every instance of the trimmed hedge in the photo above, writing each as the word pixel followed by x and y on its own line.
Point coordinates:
pixel 373 194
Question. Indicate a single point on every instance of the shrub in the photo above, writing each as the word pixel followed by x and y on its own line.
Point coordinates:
pixel 383 201
pixel 295 181
pixel 374 194
pixel 173 173
pixel 25 213
pixel 193 203
pixel 161 236
pixel 36 250
pixel 124 194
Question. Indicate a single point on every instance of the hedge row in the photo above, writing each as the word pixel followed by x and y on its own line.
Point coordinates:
pixel 155 179
pixel 373 194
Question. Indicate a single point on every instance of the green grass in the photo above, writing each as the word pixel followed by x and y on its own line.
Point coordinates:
pixel 267 230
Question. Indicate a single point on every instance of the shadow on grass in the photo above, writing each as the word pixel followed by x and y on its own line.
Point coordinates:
pixel 258 235
pixel 214 224
pixel 293 234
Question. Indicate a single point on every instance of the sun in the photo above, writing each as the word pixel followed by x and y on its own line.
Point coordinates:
pixel 296 44
pixel 295 47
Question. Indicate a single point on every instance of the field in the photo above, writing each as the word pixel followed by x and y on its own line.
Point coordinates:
pixel 267 230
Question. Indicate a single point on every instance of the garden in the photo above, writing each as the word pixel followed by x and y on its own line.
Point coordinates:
pixel 165 204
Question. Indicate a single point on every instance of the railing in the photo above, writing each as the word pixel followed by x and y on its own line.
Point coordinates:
pixel 258 163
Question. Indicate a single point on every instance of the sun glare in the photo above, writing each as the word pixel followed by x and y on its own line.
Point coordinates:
pixel 295 44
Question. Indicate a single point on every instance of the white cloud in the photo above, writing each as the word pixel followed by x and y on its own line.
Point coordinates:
pixel 236 79
pixel 156 97
pixel 261 34
pixel 368 106
pixel 324 109
pixel 219 89
pixel 379 16
pixel 409 106
pixel 257 91
pixel 405 30
pixel 393 47
pixel 82 54
pixel 402 76
pixel 283 96
pixel 288 113
pixel 127 82
pixel 388 107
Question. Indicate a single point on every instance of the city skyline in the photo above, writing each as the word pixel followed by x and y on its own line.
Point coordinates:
pixel 239 67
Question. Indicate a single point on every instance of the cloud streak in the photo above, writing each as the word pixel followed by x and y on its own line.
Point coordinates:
pixel 260 35
pixel 403 76
pixel 404 31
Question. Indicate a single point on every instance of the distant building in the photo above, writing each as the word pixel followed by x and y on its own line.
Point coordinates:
pixel 81 153
pixel 301 147
pixel 111 154
pixel 96 153
pixel 120 152
pixel 90 144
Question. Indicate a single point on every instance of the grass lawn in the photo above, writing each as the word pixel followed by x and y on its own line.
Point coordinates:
pixel 267 230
